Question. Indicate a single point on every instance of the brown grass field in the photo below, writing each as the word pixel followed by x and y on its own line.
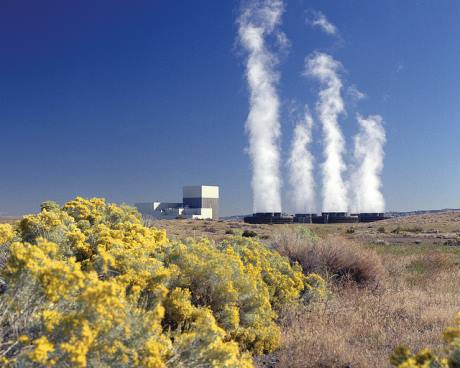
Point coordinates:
pixel 400 285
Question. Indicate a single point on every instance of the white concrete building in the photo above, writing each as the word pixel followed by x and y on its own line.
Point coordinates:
pixel 199 202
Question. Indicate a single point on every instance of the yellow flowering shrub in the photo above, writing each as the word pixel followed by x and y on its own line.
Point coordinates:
pixel 285 283
pixel 84 316
pixel 89 285
pixel 404 358
pixel 6 233
pixel 236 294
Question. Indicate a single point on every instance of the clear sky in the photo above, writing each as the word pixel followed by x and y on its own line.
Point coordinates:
pixel 130 100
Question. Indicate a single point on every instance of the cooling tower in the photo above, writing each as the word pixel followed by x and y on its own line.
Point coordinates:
pixel 371 217
pixel 269 218
pixel 307 218
pixel 339 218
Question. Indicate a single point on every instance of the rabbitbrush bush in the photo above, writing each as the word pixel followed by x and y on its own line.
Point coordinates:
pixel 88 285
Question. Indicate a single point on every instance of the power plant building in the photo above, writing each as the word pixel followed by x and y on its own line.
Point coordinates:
pixel 202 196
pixel 198 202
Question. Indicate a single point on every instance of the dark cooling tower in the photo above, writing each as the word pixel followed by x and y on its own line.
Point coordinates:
pixel 307 218
pixel 312 218
pixel 339 218
pixel 371 216
pixel 269 218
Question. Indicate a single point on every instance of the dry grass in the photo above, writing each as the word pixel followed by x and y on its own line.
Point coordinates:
pixel 333 257
pixel 360 327
pixel 215 230
pixel 9 219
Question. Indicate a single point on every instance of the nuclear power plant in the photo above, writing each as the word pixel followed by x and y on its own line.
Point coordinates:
pixel 313 218
pixel 202 202
pixel 198 202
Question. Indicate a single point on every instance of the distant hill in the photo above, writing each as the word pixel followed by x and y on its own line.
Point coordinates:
pixel 421 212
pixel 9 219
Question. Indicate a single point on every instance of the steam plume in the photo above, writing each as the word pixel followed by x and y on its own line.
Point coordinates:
pixel 259 19
pixel 368 155
pixel 330 105
pixel 319 20
pixel 301 167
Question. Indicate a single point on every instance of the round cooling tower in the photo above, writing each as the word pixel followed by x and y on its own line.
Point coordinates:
pixel 371 216
pixel 339 218
pixel 305 218
pixel 269 218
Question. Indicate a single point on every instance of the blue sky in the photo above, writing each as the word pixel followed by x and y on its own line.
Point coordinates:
pixel 132 100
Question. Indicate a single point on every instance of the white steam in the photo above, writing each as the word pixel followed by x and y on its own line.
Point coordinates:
pixel 301 167
pixel 319 20
pixel 368 156
pixel 258 20
pixel 329 106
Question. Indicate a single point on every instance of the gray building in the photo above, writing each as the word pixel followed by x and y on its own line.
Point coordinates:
pixel 202 196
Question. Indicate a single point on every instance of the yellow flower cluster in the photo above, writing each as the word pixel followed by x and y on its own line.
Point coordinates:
pixel 91 210
pixel 404 358
pixel 105 290
pixel 6 233
pixel 41 351
pixel 237 295
pixel 285 283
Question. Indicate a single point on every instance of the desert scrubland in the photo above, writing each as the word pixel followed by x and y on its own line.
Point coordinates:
pixel 414 265
pixel 91 284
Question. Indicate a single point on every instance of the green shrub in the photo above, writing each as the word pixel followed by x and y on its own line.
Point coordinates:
pixel 249 234
pixel 452 242
pixel 306 233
